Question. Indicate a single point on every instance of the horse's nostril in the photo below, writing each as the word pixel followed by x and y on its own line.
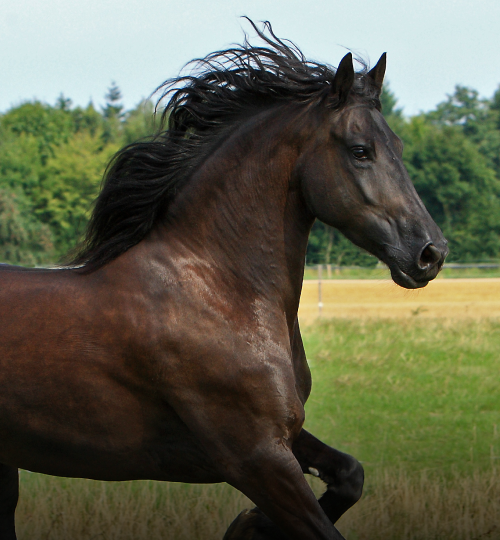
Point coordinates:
pixel 429 257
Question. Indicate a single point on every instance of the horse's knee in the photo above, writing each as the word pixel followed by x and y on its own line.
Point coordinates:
pixel 350 480
pixel 344 488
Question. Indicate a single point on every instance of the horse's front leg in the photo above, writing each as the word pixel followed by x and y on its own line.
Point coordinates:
pixel 248 431
pixel 341 472
pixel 9 494
pixel 291 509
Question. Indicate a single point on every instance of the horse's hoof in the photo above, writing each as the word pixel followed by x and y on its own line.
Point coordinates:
pixel 253 525
pixel 243 527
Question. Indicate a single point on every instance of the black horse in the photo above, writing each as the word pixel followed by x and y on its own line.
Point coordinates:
pixel 170 349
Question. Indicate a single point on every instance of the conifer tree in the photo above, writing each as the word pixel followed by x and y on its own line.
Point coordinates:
pixel 114 107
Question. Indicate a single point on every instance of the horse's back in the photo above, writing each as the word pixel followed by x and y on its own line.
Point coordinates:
pixel 5 267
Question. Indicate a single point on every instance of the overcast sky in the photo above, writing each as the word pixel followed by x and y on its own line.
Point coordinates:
pixel 77 47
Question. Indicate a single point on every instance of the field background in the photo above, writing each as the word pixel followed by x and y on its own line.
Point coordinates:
pixel 461 298
pixel 408 382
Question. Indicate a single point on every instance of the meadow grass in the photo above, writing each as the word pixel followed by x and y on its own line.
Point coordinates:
pixel 410 393
pixel 75 509
pixel 395 506
pixel 417 401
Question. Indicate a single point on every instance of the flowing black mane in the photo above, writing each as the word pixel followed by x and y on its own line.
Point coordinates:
pixel 144 177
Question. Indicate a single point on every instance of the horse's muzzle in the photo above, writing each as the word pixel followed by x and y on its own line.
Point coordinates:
pixel 418 273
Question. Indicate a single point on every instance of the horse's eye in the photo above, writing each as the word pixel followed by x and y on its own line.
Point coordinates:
pixel 359 152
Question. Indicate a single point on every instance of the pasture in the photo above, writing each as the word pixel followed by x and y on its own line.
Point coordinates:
pixel 381 298
pixel 413 393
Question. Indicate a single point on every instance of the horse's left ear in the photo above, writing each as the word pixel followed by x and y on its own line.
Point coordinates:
pixel 378 72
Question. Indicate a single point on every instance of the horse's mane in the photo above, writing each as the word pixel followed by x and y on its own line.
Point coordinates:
pixel 144 177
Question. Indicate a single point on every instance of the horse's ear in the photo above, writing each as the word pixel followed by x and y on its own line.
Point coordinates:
pixel 344 78
pixel 378 72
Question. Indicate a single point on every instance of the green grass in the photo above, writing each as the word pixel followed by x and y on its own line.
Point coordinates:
pixel 416 395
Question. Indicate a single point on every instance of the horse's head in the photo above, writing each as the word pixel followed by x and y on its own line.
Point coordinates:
pixel 353 178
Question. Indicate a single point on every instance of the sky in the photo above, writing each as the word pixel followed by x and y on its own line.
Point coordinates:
pixel 78 47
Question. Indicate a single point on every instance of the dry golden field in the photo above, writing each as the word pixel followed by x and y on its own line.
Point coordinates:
pixel 448 298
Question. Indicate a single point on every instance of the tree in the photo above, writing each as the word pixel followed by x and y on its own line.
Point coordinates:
pixel 328 246
pixel 113 114
pixel 462 108
pixel 68 186
pixel 63 103
pixel 457 185
pixel 389 102
pixel 52 159
pixel 478 119
pixel 48 125
pixel 87 119
pixel 114 107
pixel 139 123
pixel 23 239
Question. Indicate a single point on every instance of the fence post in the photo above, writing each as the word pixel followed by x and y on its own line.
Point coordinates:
pixel 320 300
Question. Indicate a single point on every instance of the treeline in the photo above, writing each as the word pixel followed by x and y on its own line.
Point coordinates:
pixel 52 158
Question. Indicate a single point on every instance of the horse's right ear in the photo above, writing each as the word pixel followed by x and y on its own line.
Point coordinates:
pixel 378 72
pixel 344 78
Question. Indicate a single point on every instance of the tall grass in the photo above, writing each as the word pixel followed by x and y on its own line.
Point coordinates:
pixel 75 509
pixel 395 506
pixel 399 506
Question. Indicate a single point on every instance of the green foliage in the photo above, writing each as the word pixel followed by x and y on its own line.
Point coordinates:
pixel 23 239
pixel 329 246
pixel 51 163
pixel 69 184
pixel 21 161
pixel 458 187
pixel 52 159
pixel 140 122
pixel 478 119
pixel 113 114
pixel 88 119
pixel 389 102
pixel 49 126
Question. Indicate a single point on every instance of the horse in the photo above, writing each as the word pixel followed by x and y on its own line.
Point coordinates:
pixel 169 347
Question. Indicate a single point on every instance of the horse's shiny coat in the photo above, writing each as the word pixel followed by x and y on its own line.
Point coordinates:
pixel 181 359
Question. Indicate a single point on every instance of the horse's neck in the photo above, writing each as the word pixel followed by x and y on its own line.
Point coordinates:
pixel 242 211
